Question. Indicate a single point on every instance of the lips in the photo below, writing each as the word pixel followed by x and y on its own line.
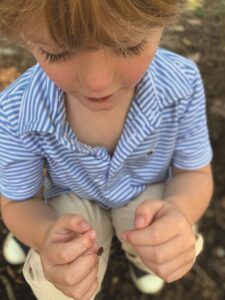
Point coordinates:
pixel 101 99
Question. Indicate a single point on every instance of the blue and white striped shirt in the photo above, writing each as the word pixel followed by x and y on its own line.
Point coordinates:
pixel 166 125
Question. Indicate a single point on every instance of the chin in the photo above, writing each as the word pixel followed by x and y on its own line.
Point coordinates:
pixel 98 107
pixel 104 106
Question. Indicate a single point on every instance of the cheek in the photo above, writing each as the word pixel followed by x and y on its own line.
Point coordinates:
pixel 135 71
pixel 59 75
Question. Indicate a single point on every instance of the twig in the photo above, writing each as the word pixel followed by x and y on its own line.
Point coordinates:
pixel 8 287
pixel 205 276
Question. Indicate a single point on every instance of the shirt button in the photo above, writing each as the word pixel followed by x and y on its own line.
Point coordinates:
pixel 149 153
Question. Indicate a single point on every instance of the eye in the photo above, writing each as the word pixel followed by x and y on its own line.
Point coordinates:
pixel 132 51
pixel 54 58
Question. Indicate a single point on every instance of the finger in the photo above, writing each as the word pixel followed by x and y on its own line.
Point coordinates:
pixel 74 272
pixel 92 291
pixel 79 289
pixel 171 269
pixel 168 251
pixel 160 231
pixel 64 253
pixel 146 212
pixel 69 223
pixel 179 273
pixel 87 283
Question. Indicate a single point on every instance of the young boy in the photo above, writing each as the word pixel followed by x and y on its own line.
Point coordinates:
pixel 120 126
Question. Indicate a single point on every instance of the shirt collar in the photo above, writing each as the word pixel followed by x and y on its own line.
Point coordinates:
pixel 153 95
pixel 42 105
pixel 170 81
pixel 42 108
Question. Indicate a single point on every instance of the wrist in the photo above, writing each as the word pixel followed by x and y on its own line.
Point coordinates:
pixel 40 240
pixel 178 203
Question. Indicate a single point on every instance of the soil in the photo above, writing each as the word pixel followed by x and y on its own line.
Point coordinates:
pixel 200 35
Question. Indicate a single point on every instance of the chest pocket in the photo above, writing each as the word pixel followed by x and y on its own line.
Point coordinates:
pixel 145 149
pixel 144 153
pixel 140 164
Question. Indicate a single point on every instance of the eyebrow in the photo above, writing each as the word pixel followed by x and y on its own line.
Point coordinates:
pixel 41 42
pixel 52 47
pixel 44 44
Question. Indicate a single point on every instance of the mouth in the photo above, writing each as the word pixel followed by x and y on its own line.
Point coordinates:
pixel 100 99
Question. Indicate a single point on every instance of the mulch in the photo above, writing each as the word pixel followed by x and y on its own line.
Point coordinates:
pixel 200 35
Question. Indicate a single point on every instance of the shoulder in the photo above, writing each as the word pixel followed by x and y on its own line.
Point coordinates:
pixel 175 76
pixel 18 86
pixel 11 98
pixel 175 67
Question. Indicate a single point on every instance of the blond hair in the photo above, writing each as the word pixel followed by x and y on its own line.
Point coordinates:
pixel 78 23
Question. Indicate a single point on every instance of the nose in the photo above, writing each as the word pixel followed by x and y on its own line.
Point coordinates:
pixel 97 74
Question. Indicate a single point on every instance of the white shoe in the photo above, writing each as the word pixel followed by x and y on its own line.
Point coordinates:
pixel 12 251
pixel 145 282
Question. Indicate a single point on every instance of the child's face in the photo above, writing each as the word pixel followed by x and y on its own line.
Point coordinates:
pixel 99 73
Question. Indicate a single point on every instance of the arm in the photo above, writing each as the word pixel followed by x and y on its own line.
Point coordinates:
pixel 29 220
pixel 191 191
pixel 62 242
pixel 163 236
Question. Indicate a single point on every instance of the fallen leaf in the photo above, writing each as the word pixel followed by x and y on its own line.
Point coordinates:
pixel 187 42
pixel 195 56
pixel 178 28
pixel 194 22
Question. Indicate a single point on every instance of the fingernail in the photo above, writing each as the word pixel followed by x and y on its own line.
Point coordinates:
pixel 84 224
pixel 95 247
pixel 139 221
pixel 92 234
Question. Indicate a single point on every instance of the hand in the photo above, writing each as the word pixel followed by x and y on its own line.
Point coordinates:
pixel 163 238
pixel 68 257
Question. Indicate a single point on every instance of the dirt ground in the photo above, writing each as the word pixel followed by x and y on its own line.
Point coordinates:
pixel 200 35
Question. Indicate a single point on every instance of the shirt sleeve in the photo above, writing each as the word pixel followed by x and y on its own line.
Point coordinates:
pixel 193 149
pixel 21 174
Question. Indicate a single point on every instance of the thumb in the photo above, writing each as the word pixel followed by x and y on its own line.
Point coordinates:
pixel 69 225
pixel 146 212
